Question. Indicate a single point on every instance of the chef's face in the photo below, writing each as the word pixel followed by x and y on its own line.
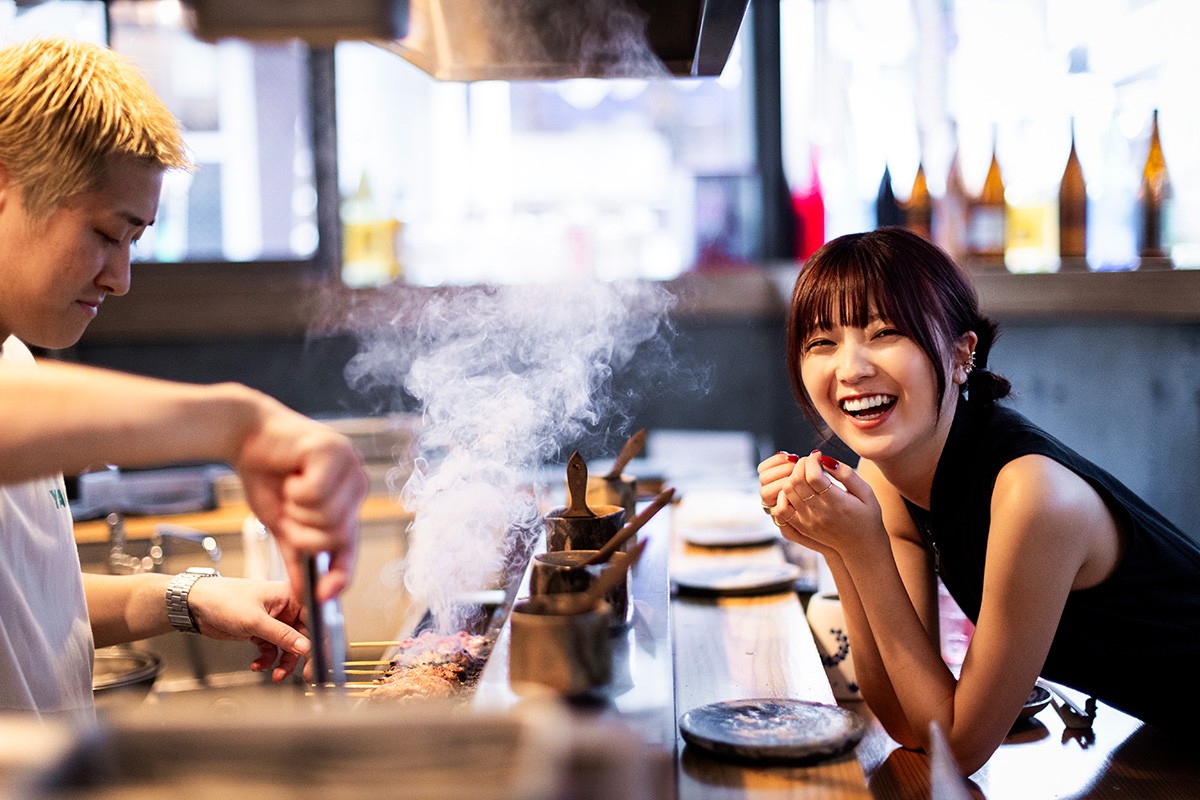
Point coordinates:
pixel 55 271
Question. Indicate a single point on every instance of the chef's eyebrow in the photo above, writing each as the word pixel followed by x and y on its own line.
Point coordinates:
pixel 134 220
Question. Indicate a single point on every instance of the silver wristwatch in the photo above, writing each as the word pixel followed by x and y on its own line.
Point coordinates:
pixel 178 610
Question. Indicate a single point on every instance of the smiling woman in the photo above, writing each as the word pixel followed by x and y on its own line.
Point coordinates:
pixel 1041 549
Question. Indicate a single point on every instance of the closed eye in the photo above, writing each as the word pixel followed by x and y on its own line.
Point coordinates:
pixel 107 239
pixel 814 344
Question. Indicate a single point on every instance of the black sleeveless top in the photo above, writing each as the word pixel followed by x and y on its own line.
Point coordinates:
pixel 1132 641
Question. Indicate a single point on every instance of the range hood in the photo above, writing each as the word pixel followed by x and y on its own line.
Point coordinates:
pixel 468 40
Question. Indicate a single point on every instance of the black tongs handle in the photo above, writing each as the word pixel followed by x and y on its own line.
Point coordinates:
pixel 326 627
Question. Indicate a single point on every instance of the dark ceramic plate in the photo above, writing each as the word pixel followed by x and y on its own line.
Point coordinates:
pixel 738 579
pixel 1038 699
pixel 779 730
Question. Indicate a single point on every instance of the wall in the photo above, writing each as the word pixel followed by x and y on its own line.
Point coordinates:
pixel 1126 395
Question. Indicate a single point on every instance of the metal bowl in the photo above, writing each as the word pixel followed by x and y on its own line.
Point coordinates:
pixel 123 676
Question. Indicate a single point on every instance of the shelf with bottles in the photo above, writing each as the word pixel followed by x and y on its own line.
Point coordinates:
pixel 1121 220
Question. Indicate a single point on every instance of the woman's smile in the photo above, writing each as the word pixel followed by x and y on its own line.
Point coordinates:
pixel 868 408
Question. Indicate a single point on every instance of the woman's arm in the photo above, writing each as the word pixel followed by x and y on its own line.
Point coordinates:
pixel 1049 529
pixel 912 563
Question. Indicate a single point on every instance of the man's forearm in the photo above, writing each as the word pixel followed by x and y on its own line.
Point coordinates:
pixel 125 608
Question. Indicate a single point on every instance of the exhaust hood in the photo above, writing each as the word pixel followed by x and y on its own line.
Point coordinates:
pixel 468 40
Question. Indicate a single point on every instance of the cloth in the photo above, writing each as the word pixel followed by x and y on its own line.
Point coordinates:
pixel 45 639
pixel 1132 641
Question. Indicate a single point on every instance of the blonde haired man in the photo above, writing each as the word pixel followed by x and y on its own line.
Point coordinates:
pixel 84 143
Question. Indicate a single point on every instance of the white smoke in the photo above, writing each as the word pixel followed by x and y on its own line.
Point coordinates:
pixel 505 378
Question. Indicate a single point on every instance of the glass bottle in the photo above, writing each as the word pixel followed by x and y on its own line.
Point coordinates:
pixel 1154 205
pixel 370 248
pixel 809 206
pixel 1112 202
pixel 1072 213
pixel 985 220
pixel 950 215
pixel 887 209
pixel 918 211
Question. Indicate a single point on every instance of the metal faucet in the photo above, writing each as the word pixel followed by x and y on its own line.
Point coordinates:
pixel 165 530
pixel 123 563
pixel 120 562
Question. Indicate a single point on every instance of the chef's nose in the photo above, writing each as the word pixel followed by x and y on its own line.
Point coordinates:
pixel 115 277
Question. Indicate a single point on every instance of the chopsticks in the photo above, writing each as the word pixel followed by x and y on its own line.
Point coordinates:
pixel 1072 715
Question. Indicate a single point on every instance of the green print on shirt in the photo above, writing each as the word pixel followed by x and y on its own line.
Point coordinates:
pixel 60 500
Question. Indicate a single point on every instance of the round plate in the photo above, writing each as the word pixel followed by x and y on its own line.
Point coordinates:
pixel 732 537
pixel 1038 699
pixel 738 579
pixel 772 730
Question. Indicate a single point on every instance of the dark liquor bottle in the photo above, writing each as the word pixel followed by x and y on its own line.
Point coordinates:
pixel 985 220
pixel 918 211
pixel 1154 205
pixel 887 209
pixel 1072 213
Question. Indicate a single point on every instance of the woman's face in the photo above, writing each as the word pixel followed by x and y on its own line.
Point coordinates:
pixel 877 389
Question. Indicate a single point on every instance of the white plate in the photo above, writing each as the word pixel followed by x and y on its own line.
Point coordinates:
pixel 738 579
pixel 732 537
pixel 724 518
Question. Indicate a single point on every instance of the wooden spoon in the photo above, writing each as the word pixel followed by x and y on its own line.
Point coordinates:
pixel 577 477
pixel 633 526
pixel 612 576
pixel 633 446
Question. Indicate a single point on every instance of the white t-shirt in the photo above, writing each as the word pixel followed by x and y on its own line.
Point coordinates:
pixel 45 639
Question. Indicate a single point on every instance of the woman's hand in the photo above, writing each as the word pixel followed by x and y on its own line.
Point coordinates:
pixel 263 612
pixel 819 502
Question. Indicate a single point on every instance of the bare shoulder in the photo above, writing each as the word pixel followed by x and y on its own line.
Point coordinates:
pixel 1040 506
pixel 896 519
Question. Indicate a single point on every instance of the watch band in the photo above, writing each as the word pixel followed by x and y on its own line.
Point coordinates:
pixel 179 612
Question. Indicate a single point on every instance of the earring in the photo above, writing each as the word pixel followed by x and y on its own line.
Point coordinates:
pixel 970 363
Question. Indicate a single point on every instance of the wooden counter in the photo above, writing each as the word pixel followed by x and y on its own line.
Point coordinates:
pixel 687 651
pixel 684 652
pixel 222 520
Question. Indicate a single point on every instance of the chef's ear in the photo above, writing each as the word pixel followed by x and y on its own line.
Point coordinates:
pixel 6 184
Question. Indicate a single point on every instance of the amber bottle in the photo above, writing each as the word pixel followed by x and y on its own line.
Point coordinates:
pixel 1072 213
pixel 918 211
pixel 986 219
pixel 1154 201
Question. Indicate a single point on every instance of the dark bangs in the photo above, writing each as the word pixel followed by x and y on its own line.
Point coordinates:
pixel 890 271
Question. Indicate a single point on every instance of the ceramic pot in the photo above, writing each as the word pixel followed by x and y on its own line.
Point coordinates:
pixel 584 533
pixel 560 644
pixel 619 491
pixel 564 571
pixel 828 625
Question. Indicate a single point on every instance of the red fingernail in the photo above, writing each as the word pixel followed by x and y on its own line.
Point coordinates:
pixel 829 463
pixel 792 457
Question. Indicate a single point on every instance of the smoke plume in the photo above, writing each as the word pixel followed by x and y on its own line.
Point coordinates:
pixel 504 378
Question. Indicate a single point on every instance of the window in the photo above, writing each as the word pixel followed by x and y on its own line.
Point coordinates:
pixel 869 82
pixel 529 181
pixel 245 113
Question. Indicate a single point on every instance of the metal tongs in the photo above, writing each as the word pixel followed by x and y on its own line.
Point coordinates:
pixel 326 628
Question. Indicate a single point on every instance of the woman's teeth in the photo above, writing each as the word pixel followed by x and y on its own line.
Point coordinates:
pixel 867 407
